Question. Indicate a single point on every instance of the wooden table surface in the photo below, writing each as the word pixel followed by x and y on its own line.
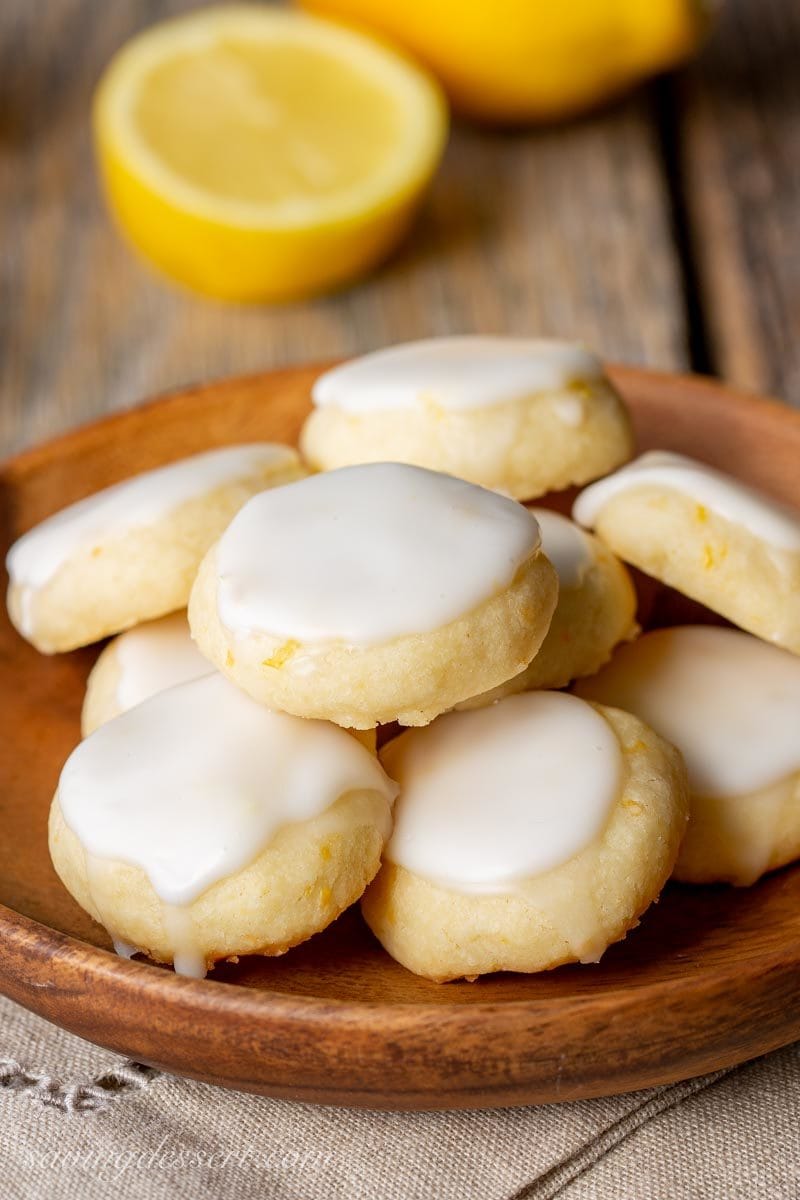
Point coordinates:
pixel 664 230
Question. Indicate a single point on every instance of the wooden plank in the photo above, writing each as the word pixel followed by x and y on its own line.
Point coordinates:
pixel 740 110
pixel 564 232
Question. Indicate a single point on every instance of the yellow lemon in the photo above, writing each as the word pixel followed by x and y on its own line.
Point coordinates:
pixel 534 60
pixel 256 154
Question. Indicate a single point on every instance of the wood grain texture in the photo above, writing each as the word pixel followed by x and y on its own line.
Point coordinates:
pixel 710 978
pixel 563 232
pixel 739 112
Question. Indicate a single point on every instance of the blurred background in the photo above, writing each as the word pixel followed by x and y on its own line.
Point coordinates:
pixel 661 226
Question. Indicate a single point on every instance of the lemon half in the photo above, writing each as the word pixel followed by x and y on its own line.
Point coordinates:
pixel 256 154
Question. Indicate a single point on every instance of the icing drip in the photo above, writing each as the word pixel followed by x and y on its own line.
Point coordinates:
pixel 458 373
pixel 775 523
pixel 188 956
pixel 124 949
pixel 368 554
pixel 95 870
pixel 493 797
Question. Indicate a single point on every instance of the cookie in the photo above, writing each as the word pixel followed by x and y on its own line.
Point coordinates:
pixel 200 826
pixel 707 535
pixel 528 834
pixel 731 704
pixel 596 610
pixel 522 416
pixel 137 665
pixel 130 552
pixel 374 593
pixel 144 661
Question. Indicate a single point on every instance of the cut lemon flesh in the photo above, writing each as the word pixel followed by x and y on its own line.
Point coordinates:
pixel 256 153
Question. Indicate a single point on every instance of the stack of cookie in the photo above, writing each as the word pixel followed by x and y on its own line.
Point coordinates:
pixel 227 798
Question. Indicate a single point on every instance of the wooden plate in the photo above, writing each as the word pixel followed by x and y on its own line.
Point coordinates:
pixel 710 978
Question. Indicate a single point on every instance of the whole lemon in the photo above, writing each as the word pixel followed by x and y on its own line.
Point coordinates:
pixel 256 154
pixel 534 60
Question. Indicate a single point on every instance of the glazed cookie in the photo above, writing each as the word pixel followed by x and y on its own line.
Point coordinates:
pixel 137 665
pixel 596 610
pixel 706 535
pixel 199 826
pixel 130 552
pixel 528 834
pixel 144 661
pixel 522 416
pixel 731 704
pixel 373 594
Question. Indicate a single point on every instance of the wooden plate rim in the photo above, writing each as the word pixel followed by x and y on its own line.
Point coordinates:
pixel 39 942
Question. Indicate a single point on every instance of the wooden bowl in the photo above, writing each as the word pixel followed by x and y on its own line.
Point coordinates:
pixel 711 976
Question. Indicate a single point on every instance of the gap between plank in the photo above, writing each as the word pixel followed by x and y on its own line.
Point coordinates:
pixel 665 107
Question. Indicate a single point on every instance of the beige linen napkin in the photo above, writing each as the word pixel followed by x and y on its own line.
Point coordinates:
pixel 79 1121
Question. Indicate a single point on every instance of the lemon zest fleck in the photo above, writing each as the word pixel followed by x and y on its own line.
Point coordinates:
pixel 282 654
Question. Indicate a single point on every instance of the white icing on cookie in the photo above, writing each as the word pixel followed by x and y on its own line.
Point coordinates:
pixel 368 554
pixel 775 523
pixel 569 549
pixel 728 701
pixel 193 784
pixel 457 373
pixel 37 555
pixel 493 797
pixel 156 656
